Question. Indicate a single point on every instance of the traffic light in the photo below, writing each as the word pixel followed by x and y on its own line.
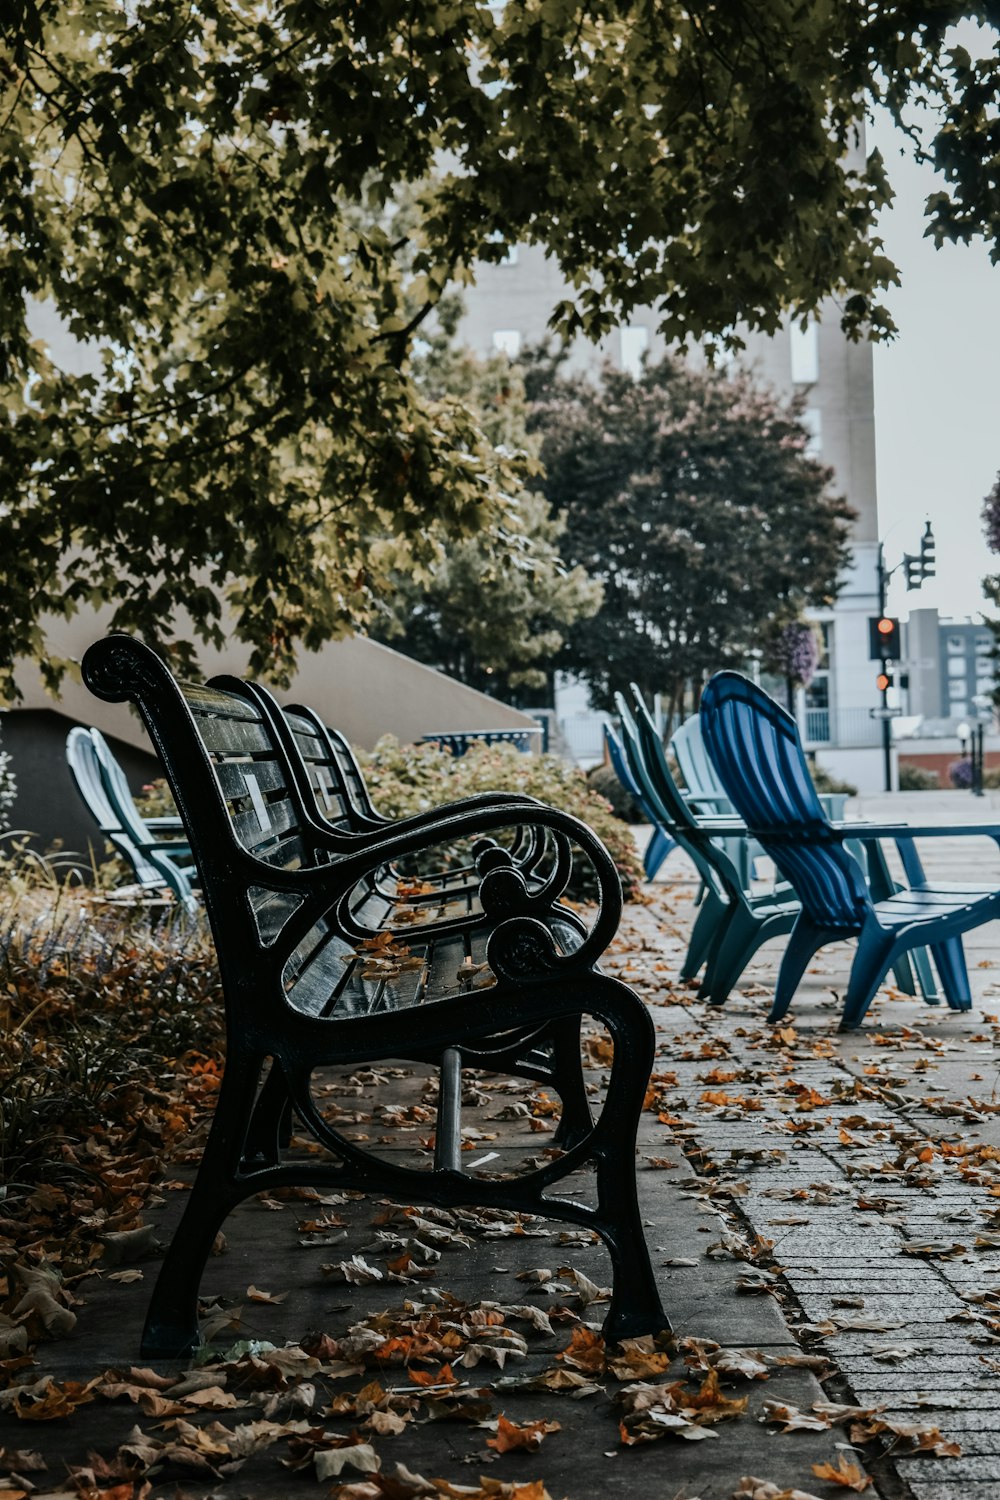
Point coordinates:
pixel 883 639
pixel 928 552
pixel 916 569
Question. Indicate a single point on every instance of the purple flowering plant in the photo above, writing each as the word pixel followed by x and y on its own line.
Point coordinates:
pixel 795 652
pixel 991 517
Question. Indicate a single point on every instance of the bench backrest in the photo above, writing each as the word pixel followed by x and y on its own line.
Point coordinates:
pixel 335 777
pixel 243 813
pixel 754 745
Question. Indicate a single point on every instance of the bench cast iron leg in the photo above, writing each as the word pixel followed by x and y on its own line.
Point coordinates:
pixel 567 1066
pixel 270 1129
pixel 636 1308
pixel 171 1329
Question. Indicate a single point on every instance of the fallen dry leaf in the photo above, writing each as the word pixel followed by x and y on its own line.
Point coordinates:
pixel 527 1437
pixel 845 1474
pixel 751 1488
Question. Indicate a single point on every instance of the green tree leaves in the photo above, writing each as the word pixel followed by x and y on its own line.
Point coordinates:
pixel 206 198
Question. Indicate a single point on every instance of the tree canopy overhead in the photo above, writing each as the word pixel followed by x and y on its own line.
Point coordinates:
pixel 203 193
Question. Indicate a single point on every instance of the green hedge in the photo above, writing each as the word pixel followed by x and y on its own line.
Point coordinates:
pixel 412 778
pixel 914 778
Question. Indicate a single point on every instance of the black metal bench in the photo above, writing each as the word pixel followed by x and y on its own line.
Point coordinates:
pixel 293 896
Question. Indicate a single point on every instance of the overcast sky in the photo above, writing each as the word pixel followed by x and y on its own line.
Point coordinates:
pixel 937 395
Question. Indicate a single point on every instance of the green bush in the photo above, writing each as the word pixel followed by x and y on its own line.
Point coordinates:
pixel 913 778
pixel 412 778
pixel 823 781
pixel 605 783
pixel 991 778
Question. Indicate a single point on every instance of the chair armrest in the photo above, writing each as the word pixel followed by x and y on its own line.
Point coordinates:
pixel 715 798
pixel 720 828
pixel 922 831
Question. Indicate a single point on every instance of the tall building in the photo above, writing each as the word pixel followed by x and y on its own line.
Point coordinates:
pixel 950 667
pixel 509 308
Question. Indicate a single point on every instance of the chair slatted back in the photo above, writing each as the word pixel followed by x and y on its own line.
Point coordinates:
pixel 622 769
pixel 754 745
pixel 85 766
pixel 700 776
pixel 648 762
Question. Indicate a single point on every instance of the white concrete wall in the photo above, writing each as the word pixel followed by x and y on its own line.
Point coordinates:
pixel 864 768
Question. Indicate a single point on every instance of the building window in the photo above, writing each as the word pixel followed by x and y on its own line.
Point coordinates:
pixel 984 643
pixel 956 645
pixel 985 684
pixel 804 344
pixel 956 666
pixel 959 710
pixel 634 345
pixel 812 421
pixel 507 341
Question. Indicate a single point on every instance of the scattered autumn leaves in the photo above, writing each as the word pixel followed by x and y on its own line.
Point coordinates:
pixel 432 1360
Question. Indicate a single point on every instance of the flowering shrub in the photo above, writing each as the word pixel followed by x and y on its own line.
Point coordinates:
pixel 795 653
pixel 406 779
pixel 991 517
pixel 960 774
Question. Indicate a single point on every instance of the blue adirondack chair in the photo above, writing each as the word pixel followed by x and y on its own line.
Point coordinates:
pixel 660 843
pixel 732 922
pixel 754 745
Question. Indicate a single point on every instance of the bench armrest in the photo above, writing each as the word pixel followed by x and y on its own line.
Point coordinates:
pixel 330 886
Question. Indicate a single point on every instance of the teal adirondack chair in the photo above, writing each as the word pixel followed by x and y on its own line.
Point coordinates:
pixel 705 794
pixel 754 745
pixel 156 848
pixel 660 843
pixel 732 922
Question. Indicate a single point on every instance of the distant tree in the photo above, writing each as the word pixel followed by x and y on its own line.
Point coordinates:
pixel 201 192
pixel 692 498
pixel 493 616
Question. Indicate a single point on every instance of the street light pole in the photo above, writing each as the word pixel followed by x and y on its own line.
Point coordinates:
pixel 884 664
